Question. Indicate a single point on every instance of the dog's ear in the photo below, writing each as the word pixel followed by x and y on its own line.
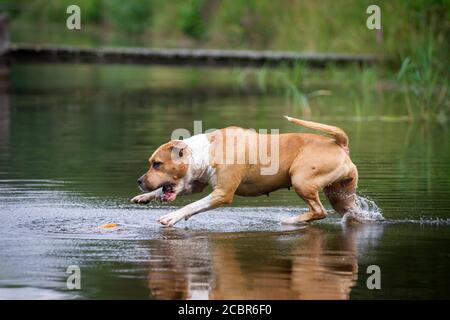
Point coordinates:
pixel 178 149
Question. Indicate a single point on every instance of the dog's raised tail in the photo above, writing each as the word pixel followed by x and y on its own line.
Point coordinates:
pixel 339 135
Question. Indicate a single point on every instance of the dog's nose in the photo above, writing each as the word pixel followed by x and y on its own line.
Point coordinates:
pixel 141 181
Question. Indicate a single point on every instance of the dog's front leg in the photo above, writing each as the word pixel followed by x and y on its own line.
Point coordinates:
pixel 147 197
pixel 213 200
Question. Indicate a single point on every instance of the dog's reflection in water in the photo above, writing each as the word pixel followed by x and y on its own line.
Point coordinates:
pixel 311 263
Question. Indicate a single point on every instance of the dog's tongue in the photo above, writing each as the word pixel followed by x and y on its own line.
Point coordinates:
pixel 168 196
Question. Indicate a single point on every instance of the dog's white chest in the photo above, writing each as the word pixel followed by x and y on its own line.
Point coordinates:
pixel 199 162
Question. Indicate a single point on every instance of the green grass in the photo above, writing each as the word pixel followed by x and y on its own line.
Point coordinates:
pixel 419 89
pixel 425 85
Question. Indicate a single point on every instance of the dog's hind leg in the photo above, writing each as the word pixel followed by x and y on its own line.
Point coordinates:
pixel 307 187
pixel 342 193
pixel 309 177
pixel 316 211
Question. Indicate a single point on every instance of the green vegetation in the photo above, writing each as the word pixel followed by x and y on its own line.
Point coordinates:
pixel 336 26
pixel 191 21
pixel 425 85
pixel 414 39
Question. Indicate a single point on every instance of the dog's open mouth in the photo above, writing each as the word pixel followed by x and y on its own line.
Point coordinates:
pixel 169 193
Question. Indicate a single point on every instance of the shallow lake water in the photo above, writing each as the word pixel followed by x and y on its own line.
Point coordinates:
pixel 73 141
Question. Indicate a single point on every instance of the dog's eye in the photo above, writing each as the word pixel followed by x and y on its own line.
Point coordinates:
pixel 156 164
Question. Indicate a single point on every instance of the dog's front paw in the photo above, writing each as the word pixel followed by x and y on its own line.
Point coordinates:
pixel 142 198
pixel 170 219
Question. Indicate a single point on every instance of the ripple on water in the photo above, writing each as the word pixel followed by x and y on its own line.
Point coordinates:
pixel 64 214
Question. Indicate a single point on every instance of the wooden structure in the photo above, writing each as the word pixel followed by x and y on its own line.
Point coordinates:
pixel 38 54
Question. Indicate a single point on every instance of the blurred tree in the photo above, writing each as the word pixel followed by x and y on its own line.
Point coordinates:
pixel 130 15
pixel 191 20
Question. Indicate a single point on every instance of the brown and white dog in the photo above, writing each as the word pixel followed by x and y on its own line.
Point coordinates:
pixel 308 162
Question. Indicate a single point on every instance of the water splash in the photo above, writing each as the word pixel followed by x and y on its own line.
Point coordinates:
pixel 366 211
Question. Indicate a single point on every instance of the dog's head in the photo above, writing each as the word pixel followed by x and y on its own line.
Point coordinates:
pixel 167 167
